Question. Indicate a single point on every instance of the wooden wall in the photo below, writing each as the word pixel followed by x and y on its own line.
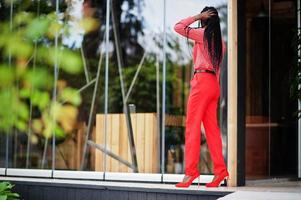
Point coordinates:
pixel 146 138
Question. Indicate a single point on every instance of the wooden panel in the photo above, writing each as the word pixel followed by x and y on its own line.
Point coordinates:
pixel 146 140
pixel 140 142
pixel 91 150
pixel 232 92
pixel 148 143
pixel 123 140
pixel 99 139
pixel 155 145
pixel 109 142
pixel 115 124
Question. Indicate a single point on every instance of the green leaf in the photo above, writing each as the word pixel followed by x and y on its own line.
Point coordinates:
pixel 22 110
pixel 18 47
pixel 70 61
pixel 6 76
pixel 37 125
pixel 3 197
pixel 24 93
pixel 3 186
pixel 21 125
pixel 38 78
pixel 71 96
pixel 22 18
pixel 37 28
pixel 59 132
pixel 13 195
pixel 40 99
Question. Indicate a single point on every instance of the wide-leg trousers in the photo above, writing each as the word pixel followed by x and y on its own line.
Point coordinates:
pixel 202 108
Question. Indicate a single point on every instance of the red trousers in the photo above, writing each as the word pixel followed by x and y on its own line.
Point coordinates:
pixel 202 108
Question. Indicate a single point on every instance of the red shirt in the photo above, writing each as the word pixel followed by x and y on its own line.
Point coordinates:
pixel 201 57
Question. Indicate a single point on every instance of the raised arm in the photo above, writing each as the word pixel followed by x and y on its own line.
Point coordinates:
pixel 182 27
pixel 196 34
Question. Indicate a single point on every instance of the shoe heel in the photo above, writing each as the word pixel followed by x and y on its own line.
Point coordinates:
pixel 226 180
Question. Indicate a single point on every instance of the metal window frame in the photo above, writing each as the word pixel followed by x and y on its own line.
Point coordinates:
pixel 110 176
pixel 299 102
pixel 143 177
pixel 2 171
pixel 93 175
pixel 45 173
pixel 72 174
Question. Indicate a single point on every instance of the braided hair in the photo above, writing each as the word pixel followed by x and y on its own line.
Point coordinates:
pixel 212 36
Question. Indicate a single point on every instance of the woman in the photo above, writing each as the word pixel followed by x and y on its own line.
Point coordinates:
pixel 208 52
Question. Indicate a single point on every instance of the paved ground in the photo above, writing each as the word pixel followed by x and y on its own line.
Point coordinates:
pixel 270 189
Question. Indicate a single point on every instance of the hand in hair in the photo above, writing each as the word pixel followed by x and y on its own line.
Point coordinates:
pixel 204 15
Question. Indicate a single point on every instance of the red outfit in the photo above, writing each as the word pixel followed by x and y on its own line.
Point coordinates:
pixel 202 105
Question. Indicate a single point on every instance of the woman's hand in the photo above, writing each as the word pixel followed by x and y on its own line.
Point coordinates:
pixel 204 15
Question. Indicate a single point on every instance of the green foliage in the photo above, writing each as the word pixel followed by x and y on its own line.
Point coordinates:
pixel 27 59
pixel 143 93
pixel 6 193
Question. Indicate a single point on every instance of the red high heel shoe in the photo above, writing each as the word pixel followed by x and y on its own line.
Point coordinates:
pixel 217 182
pixel 189 182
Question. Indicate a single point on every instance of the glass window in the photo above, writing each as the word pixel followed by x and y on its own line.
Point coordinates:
pixel 85 113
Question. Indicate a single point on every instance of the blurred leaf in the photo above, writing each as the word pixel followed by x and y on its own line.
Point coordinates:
pixel 6 76
pixel 38 78
pixel 37 28
pixel 48 124
pixel 40 99
pixel 37 125
pixel 24 93
pixel 89 24
pixel 67 60
pixel 70 61
pixel 18 48
pixel 70 95
pixel 59 133
pixel 22 110
pixel 7 113
pixel 21 125
pixel 3 186
pixel 22 18
pixel 34 139
pixel 3 197
pixel 65 116
pixel 54 28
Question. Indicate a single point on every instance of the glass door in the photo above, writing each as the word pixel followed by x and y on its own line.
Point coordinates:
pixel 271 120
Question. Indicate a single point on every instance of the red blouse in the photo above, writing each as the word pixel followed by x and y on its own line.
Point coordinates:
pixel 201 57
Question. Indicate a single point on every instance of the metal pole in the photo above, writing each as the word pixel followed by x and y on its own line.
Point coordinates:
pixel 83 160
pixel 299 102
pixel 124 99
pixel 85 64
pixel 135 77
pixel 30 103
pixel 106 79
pixel 9 64
pixel 55 88
pixel 158 96
pixel 163 91
pixel 269 92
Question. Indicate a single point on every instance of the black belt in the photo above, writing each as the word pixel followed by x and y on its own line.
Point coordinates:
pixel 203 71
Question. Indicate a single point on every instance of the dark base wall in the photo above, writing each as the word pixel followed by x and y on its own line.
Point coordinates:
pixel 62 191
